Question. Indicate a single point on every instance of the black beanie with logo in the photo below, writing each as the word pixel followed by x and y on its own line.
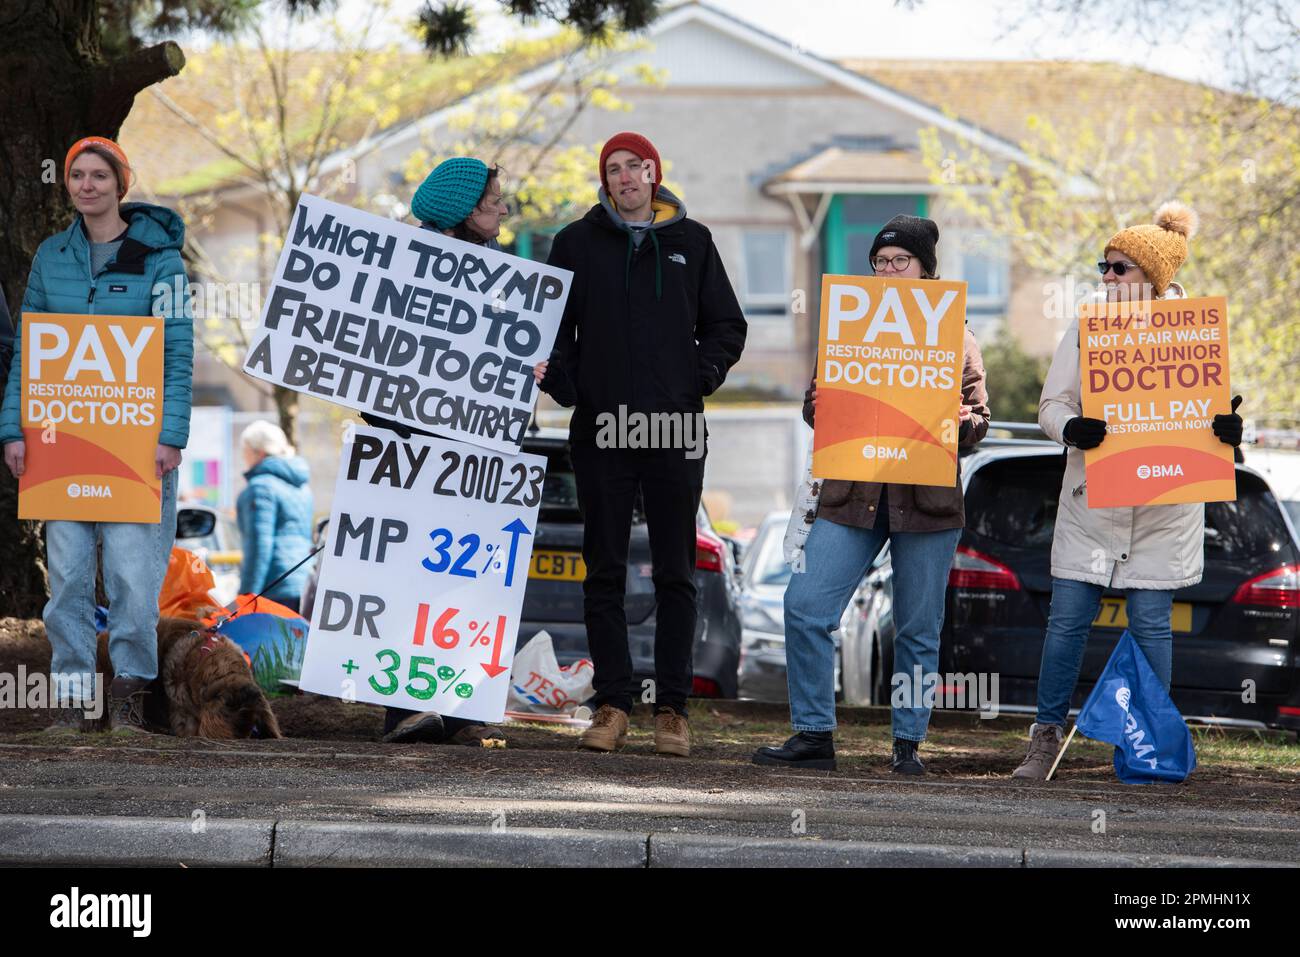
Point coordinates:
pixel 918 236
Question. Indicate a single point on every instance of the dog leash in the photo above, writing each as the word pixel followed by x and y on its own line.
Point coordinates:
pixel 253 600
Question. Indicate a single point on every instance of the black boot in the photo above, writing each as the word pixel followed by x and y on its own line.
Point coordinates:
pixel 406 727
pixel 807 749
pixel 906 760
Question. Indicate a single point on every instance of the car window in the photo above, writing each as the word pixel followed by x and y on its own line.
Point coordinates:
pixel 1013 501
pixel 769 566
pixel 1250 527
pixel 560 488
pixel 1293 509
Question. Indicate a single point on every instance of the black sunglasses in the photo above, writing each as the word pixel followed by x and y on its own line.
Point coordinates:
pixel 1120 268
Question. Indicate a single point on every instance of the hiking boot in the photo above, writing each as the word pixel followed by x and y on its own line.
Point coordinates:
pixel 814 750
pixel 126 705
pixel 69 721
pixel 424 726
pixel 608 730
pixel 1044 744
pixel 905 759
pixel 478 736
pixel 672 733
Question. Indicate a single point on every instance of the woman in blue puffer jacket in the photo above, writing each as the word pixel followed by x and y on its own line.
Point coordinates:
pixel 118 259
pixel 274 516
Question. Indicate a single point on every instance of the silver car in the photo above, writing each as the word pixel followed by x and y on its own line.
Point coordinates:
pixel 762 604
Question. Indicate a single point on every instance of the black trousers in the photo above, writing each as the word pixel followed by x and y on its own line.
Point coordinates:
pixel 670 486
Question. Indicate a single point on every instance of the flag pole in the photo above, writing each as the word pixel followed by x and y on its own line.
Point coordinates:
pixel 1073 728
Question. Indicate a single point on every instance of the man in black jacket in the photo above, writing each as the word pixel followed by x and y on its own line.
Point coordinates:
pixel 651 325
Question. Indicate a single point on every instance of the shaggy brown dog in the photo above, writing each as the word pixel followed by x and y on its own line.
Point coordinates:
pixel 204 686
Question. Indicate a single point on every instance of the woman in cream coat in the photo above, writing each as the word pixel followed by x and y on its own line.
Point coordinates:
pixel 1147 551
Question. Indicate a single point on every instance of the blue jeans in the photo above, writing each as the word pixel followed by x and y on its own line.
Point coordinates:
pixel 134 563
pixel 837 557
pixel 1074 607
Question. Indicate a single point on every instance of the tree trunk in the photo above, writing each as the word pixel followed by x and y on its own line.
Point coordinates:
pixel 58 87
pixel 286 406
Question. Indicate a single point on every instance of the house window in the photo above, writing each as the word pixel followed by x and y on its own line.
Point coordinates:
pixel 767 271
pixel 986 269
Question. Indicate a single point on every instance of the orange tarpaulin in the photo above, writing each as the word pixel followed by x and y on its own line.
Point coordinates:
pixel 186 591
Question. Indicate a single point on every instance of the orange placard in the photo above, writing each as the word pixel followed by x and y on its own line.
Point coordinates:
pixel 91 413
pixel 889 369
pixel 1157 373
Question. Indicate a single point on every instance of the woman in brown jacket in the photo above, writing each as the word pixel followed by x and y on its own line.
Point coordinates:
pixel 853 522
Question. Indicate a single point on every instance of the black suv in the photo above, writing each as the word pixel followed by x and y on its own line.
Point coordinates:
pixel 1236 633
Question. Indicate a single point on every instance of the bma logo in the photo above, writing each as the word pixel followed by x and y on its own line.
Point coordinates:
pixel 884 452
pixel 89 491
pixel 1159 471
pixel 1135 735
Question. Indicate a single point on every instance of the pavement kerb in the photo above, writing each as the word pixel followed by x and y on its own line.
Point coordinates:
pixel 86 841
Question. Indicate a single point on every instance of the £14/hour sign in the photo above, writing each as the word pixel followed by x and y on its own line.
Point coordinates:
pixel 91 397
pixel 423 579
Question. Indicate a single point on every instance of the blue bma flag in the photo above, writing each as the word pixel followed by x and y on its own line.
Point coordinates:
pixel 1130 709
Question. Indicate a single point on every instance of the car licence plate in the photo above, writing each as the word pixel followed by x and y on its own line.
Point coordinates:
pixel 1113 613
pixel 557 566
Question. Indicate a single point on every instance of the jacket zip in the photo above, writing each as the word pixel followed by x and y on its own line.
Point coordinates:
pixel 90 299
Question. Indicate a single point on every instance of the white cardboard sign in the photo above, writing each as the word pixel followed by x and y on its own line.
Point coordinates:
pixel 422 584
pixel 408 324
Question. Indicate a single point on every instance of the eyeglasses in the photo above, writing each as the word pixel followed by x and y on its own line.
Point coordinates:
pixel 900 263
pixel 1120 267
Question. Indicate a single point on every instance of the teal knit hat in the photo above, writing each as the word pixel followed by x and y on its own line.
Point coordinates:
pixel 449 194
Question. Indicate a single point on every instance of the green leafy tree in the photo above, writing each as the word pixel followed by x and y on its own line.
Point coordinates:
pixel 1015 378
pixel 1234 158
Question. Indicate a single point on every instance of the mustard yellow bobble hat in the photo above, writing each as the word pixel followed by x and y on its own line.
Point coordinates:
pixel 1159 248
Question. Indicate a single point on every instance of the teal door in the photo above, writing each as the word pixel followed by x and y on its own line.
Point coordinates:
pixel 852 223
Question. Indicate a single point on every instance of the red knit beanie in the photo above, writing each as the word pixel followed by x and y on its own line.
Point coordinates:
pixel 639 146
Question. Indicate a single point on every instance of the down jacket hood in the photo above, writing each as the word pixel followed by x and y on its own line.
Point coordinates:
pixel 149 228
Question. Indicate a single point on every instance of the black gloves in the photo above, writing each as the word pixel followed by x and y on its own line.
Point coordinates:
pixel 964 431
pixel 1228 427
pixel 1087 433
pixel 1084 433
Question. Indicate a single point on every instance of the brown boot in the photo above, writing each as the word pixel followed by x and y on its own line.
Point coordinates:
pixel 608 730
pixel 126 705
pixel 672 733
pixel 68 721
pixel 1044 743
